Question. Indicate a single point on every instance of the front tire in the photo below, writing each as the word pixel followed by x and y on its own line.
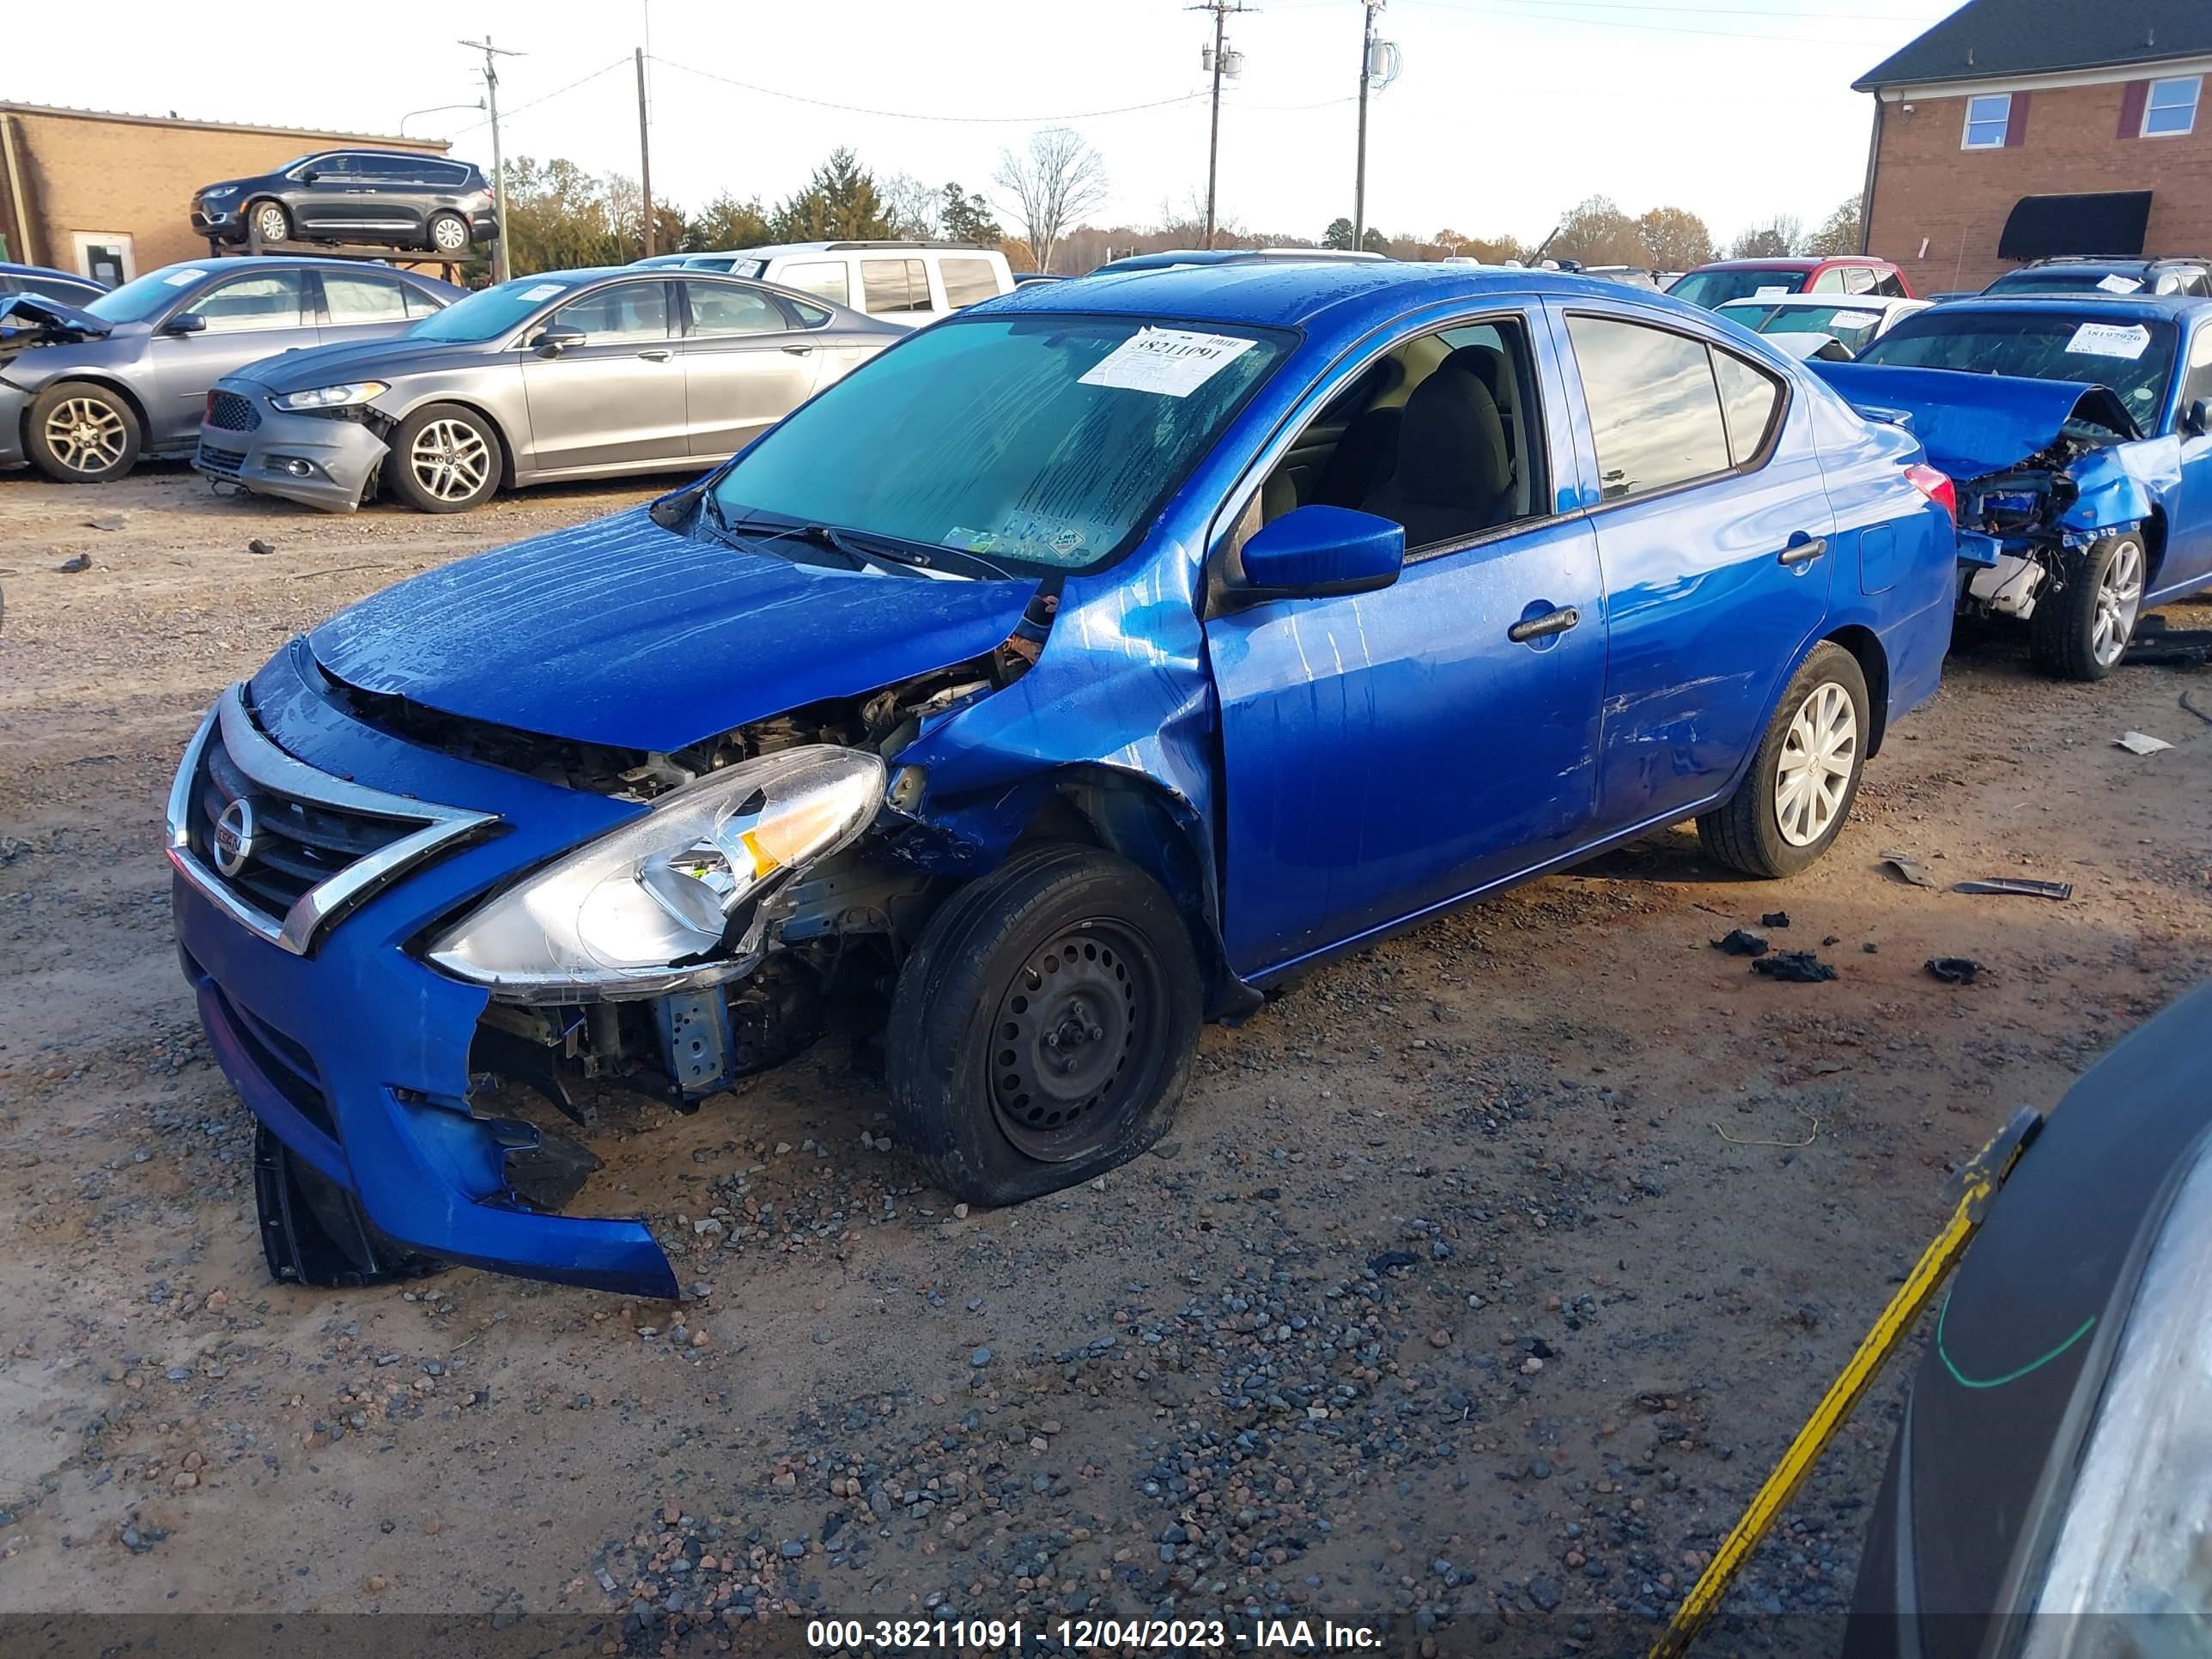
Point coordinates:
pixel 2081 632
pixel 449 234
pixel 1042 1030
pixel 82 433
pixel 270 223
pixel 444 458
pixel 1791 805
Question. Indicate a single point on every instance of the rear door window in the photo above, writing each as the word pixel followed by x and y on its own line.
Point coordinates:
pixel 967 280
pixel 1655 410
pixel 826 277
pixel 715 308
pixel 628 310
pixel 361 298
pixel 1890 285
pixel 895 285
pixel 277 300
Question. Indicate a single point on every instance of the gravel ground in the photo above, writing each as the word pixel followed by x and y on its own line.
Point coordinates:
pixel 1480 1281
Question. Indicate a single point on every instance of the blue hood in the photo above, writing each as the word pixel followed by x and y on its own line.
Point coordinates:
pixel 1973 425
pixel 623 632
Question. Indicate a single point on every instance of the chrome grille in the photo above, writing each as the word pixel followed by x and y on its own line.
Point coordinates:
pixel 297 848
pixel 228 412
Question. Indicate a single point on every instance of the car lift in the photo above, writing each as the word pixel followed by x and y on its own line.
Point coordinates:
pixel 368 253
pixel 1971 1189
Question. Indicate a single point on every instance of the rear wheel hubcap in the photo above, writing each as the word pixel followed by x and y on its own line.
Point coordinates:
pixel 1818 759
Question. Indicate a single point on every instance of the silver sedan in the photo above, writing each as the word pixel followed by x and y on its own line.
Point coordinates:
pixel 572 374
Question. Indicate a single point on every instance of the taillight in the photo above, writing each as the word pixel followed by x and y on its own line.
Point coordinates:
pixel 1936 486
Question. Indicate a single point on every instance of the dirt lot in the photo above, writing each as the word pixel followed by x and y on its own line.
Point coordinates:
pixel 1482 1278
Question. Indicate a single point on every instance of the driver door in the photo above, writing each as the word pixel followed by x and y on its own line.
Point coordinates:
pixel 617 398
pixel 1385 753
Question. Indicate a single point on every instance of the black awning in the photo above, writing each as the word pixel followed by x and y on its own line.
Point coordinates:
pixel 2045 226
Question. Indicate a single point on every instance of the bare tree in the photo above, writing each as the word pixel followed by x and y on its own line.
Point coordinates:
pixel 1048 187
pixel 910 205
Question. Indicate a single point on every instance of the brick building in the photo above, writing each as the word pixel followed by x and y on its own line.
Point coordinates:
pixel 109 196
pixel 2020 129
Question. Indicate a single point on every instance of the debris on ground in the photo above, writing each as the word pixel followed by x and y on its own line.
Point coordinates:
pixel 1741 942
pixel 1775 918
pixel 1909 867
pixel 2193 701
pixel 1812 1134
pixel 1955 970
pixel 2142 743
pixel 1794 967
pixel 2170 647
pixel 107 521
pixel 2019 885
pixel 72 566
pixel 257 546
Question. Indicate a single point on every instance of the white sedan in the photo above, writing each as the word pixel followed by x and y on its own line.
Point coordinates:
pixel 1836 326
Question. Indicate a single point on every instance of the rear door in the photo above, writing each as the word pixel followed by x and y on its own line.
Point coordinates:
pixel 895 288
pixel 1713 521
pixel 746 365
pixel 395 195
pixel 617 398
pixel 247 317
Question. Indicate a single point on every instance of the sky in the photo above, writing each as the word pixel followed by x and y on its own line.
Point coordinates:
pixel 1505 112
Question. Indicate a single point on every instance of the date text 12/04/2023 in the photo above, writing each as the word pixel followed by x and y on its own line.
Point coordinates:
pixel 993 1635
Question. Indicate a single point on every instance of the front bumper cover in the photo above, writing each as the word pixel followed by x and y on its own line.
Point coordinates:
pixel 341 456
pixel 356 1055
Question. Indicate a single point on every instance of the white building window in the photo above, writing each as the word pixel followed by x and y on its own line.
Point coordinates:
pixel 1987 118
pixel 2170 111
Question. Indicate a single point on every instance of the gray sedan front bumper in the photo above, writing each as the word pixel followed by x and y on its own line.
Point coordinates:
pixel 313 460
pixel 13 402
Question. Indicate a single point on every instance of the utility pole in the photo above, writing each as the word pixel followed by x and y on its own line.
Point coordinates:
pixel 499 265
pixel 644 154
pixel 1222 62
pixel 1359 181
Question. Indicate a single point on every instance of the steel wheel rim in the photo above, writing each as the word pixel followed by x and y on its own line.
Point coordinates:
pixel 449 234
pixel 1820 753
pixel 450 459
pixel 271 223
pixel 86 434
pixel 2119 599
pixel 1072 1046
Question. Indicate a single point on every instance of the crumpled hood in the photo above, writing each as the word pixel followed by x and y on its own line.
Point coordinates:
pixel 33 319
pixel 1973 425
pixel 358 360
pixel 620 632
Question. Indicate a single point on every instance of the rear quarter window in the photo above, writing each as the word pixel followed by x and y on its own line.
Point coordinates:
pixel 825 278
pixel 968 281
pixel 1655 410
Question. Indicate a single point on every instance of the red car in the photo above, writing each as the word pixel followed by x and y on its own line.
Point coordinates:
pixel 1714 285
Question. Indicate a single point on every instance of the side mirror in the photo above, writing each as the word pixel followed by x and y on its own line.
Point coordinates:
pixel 185 322
pixel 1314 552
pixel 310 176
pixel 2198 420
pixel 552 341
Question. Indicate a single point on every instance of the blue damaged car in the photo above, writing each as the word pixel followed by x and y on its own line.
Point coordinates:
pixel 2077 432
pixel 1066 675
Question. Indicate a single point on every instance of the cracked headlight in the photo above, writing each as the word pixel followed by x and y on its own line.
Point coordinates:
pixel 663 903
pixel 331 396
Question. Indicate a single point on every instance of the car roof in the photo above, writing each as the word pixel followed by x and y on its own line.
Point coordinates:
pixel 777 250
pixel 227 261
pixel 13 270
pixel 1293 292
pixel 2175 307
pixel 2107 262
pixel 1792 262
pixel 1814 302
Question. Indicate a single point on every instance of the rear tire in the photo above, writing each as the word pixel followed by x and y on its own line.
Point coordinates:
pixel 444 458
pixel 268 222
pixel 2081 632
pixel 1793 802
pixel 449 234
pixel 1043 1028
pixel 82 433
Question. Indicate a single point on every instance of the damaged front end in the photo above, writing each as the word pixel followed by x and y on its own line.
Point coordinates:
pixel 28 320
pixel 2042 468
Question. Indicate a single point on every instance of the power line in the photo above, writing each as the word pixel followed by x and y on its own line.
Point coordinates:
pixel 917 115
pixel 1547 11
pixel 622 62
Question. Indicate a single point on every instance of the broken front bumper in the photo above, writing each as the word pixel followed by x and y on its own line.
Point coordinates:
pixel 353 1051
pixel 14 402
pixel 313 460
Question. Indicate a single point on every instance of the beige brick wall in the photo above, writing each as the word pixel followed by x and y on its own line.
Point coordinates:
pixel 1926 187
pixel 94 173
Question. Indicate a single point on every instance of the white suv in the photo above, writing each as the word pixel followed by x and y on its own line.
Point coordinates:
pixel 906 282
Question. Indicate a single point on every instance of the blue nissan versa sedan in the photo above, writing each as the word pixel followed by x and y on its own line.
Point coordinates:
pixel 1063 676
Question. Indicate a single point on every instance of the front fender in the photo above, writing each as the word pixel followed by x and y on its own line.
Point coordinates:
pixel 2121 486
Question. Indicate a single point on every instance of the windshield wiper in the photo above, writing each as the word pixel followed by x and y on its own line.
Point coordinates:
pixel 881 553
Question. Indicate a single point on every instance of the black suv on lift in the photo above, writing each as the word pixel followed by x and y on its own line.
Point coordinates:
pixel 391 197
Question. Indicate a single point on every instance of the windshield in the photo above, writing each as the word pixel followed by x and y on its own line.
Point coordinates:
pixel 1048 442
pixel 2132 356
pixel 2092 280
pixel 139 299
pixel 1853 326
pixel 1714 289
pixel 491 313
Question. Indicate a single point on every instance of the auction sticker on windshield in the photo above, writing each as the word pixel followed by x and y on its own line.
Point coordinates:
pixel 179 278
pixel 1855 319
pixel 544 291
pixel 1172 362
pixel 2109 340
pixel 2117 283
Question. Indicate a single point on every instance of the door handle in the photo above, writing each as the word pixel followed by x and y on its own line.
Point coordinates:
pixel 800 351
pixel 1537 627
pixel 655 353
pixel 1803 549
